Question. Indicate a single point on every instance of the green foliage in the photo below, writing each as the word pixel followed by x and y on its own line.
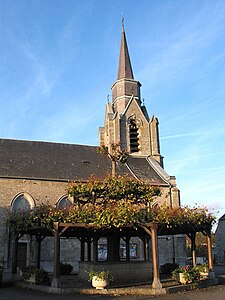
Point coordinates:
pixel 65 268
pixel 204 268
pixel 114 202
pixel 113 188
pixel 101 275
pixel 182 216
pixel 41 276
pixel 192 275
pixel 168 268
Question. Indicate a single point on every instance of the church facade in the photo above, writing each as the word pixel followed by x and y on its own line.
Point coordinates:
pixel 32 173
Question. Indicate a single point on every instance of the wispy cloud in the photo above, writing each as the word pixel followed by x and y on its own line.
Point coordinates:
pixel 183 135
pixel 184 47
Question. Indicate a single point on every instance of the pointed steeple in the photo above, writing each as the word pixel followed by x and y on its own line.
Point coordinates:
pixel 125 69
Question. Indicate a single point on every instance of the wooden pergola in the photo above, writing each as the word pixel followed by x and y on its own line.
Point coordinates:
pixel 90 234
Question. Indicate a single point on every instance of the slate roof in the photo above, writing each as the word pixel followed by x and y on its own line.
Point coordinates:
pixel 125 69
pixel 56 161
pixel 222 218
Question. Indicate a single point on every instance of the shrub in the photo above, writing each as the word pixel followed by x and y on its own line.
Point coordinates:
pixel 65 268
pixel 41 276
pixel 168 268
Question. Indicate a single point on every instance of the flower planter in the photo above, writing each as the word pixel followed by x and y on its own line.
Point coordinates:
pixel 181 278
pixel 204 274
pixel 31 279
pixel 99 283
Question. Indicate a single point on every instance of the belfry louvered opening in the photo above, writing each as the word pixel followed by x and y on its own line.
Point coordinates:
pixel 134 139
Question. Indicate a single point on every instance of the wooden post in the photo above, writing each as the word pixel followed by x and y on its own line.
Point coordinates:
pixel 193 248
pixel 156 281
pixel 209 246
pixel 56 268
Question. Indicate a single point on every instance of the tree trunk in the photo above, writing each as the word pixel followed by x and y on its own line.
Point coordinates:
pixel 113 168
pixel 113 243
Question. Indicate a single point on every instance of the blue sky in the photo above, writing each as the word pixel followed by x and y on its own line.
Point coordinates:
pixel 58 60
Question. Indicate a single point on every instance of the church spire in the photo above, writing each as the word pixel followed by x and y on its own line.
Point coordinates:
pixel 125 69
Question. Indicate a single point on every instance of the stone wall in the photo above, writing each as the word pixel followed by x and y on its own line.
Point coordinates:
pixel 41 191
pixel 220 241
pixel 123 272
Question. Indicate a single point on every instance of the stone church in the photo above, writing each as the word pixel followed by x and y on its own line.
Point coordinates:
pixel 33 172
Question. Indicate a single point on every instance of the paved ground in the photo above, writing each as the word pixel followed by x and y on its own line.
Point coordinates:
pixel 215 293
pixel 14 293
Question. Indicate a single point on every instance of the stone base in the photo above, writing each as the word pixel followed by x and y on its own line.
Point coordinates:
pixel 212 275
pixel 56 283
pixel 156 284
pixel 123 272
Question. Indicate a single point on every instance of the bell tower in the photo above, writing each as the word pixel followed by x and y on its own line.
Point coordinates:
pixel 126 120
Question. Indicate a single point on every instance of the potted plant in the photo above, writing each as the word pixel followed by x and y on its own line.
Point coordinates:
pixel 100 279
pixel 178 274
pixel 33 275
pixel 186 274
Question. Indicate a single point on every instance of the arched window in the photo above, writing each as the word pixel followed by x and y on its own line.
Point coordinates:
pixel 134 140
pixel 64 202
pixel 21 203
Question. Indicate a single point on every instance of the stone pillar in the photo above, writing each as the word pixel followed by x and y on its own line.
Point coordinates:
pixel 156 281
